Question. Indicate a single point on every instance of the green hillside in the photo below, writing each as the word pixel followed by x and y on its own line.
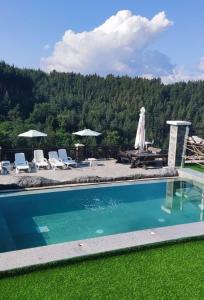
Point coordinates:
pixel 60 103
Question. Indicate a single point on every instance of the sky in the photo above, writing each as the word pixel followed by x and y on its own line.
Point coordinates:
pixel 148 38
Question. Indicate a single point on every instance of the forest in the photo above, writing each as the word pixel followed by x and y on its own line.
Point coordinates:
pixel 61 103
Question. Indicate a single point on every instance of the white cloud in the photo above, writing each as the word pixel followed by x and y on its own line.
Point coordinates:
pixel 179 73
pixel 201 64
pixel 118 46
pixel 47 46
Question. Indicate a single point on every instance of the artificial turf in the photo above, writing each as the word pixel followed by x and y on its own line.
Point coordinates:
pixel 195 167
pixel 165 272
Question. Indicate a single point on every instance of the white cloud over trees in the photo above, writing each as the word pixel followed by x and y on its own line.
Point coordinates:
pixel 120 46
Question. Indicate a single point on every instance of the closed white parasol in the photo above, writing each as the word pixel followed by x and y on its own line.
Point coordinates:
pixel 140 136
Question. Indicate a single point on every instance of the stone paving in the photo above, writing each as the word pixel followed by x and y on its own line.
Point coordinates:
pixel 106 170
pixel 191 175
pixel 56 252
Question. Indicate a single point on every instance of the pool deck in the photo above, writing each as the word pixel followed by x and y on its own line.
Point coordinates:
pixel 190 174
pixel 107 170
pixel 83 248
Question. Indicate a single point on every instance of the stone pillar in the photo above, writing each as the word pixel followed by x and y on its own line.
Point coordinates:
pixel 177 142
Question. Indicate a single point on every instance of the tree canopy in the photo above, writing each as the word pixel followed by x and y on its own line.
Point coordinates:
pixel 61 103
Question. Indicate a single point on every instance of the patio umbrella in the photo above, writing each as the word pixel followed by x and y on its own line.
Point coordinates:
pixel 87 132
pixel 140 136
pixel 32 134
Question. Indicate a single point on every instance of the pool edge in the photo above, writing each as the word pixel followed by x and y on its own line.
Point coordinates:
pixel 61 186
pixel 95 246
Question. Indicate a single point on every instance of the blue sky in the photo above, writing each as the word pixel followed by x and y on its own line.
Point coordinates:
pixel 27 26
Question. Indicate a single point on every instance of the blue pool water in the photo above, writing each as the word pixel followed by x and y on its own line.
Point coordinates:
pixel 36 219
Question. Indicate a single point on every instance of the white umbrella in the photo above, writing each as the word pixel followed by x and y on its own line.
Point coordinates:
pixel 140 136
pixel 87 132
pixel 32 133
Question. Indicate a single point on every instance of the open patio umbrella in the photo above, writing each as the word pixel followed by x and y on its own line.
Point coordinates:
pixel 87 132
pixel 32 134
pixel 140 136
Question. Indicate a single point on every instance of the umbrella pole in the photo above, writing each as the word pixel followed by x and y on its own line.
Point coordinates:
pixel 31 155
pixel 86 148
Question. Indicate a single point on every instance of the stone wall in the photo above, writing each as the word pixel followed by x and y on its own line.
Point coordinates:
pixel 36 181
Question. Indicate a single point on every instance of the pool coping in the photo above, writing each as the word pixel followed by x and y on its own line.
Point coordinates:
pixel 193 175
pixel 100 245
pixel 61 186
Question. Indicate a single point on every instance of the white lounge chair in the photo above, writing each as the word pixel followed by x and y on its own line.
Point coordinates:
pixel 39 160
pixel 67 160
pixel 54 160
pixel 20 163
pixel 5 167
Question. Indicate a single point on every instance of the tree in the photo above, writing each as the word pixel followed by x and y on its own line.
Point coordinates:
pixel 61 103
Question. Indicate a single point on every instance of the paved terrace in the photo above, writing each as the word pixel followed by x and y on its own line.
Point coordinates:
pixel 106 170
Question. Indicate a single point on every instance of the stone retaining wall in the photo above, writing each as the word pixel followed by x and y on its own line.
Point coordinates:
pixel 36 181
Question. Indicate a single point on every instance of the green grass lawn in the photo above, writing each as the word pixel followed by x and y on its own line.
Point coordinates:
pixel 166 272
pixel 195 167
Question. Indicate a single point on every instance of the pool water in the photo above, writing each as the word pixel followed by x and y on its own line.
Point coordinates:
pixel 31 219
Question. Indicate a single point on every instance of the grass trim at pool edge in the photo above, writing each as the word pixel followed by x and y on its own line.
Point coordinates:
pixel 118 252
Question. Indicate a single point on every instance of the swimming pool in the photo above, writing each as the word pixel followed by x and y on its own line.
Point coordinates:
pixel 32 219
